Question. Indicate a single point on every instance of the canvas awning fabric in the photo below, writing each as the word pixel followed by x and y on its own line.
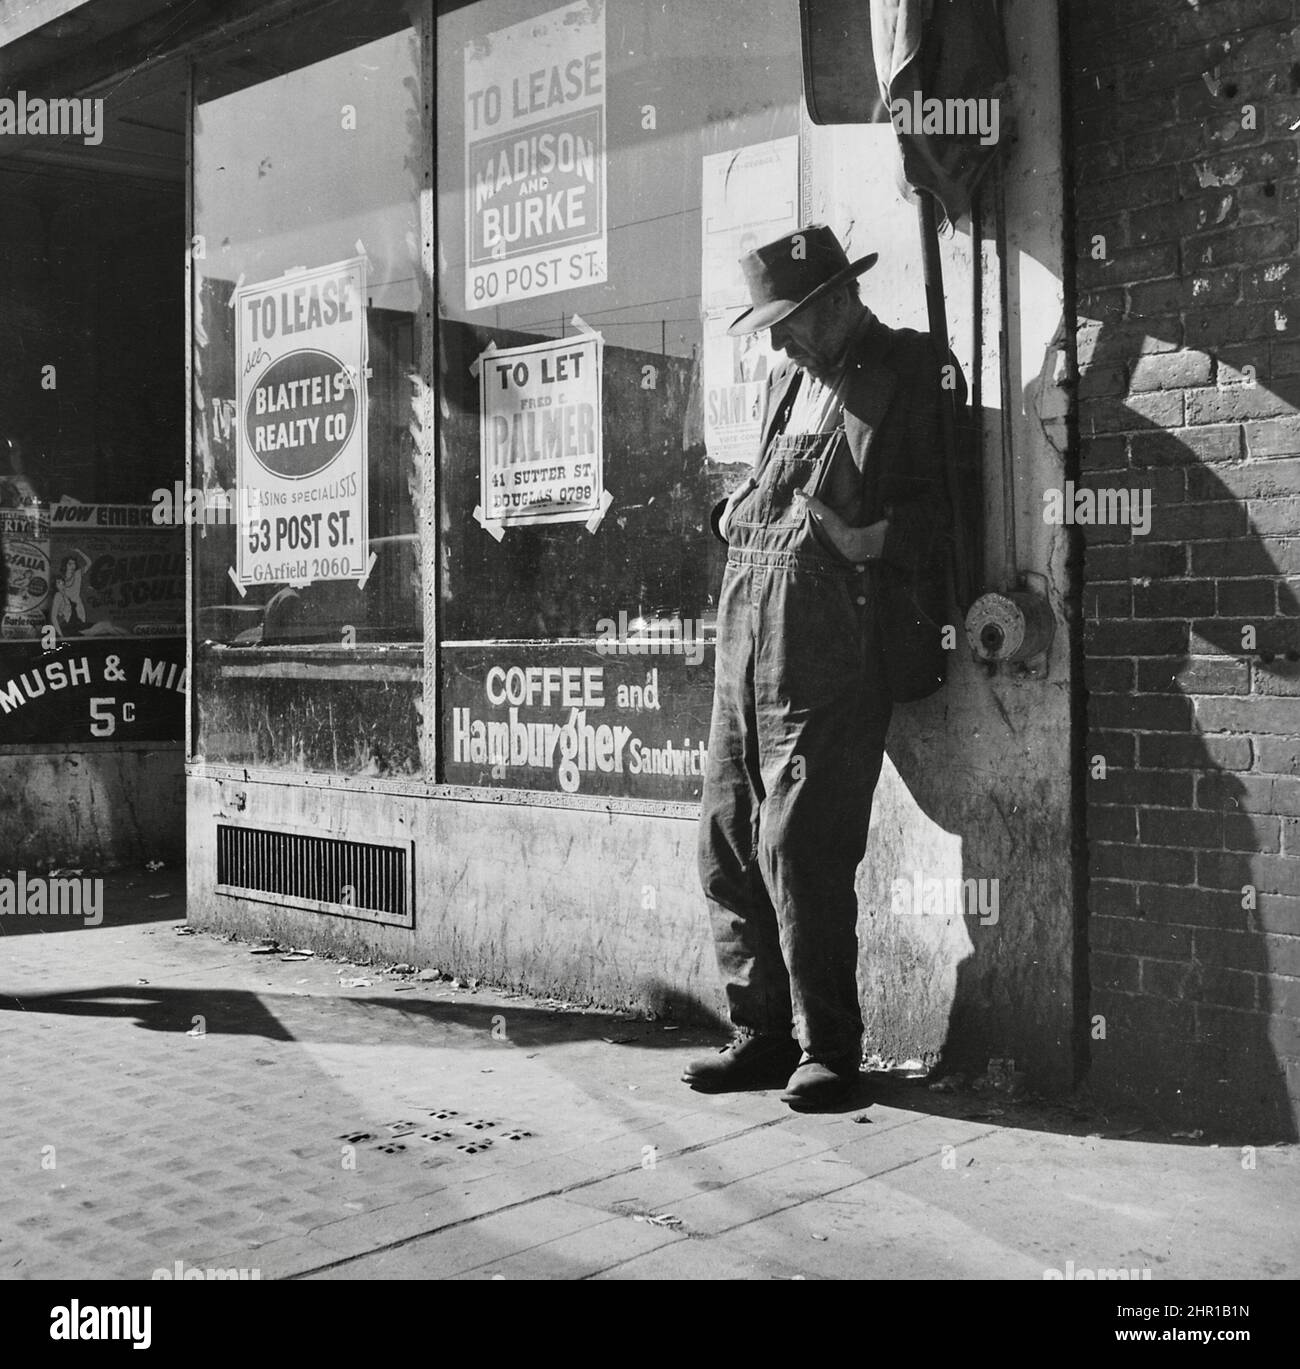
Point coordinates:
pixel 921 50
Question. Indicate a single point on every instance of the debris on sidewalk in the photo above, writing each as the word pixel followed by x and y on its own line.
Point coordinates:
pixel 658 1219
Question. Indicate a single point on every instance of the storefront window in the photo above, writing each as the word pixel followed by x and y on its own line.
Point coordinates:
pixel 310 155
pixel 601 166
pixel 92 420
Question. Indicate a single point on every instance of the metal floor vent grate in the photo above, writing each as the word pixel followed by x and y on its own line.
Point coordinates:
pixel 321 874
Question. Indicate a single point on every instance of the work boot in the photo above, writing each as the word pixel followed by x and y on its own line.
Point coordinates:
pixel 817 1084
pixel 750 1062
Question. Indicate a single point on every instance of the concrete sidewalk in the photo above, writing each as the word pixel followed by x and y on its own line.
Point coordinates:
pixel 175 1098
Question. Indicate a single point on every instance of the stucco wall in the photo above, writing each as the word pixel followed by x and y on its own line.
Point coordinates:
pixel 93 809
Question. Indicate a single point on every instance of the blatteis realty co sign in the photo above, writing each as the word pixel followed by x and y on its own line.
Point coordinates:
pixel 301 406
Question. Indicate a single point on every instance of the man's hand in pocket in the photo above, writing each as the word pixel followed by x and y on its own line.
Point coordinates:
pixel 855 544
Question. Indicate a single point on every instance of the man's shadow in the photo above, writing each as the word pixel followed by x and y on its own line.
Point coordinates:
pixel 1172 1007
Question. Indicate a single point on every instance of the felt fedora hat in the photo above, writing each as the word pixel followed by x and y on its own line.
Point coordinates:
pixel 785 275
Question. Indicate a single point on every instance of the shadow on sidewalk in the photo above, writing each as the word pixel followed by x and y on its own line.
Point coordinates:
pixel 347 1020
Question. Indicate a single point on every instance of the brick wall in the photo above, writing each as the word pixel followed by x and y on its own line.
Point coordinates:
pixel 1188 282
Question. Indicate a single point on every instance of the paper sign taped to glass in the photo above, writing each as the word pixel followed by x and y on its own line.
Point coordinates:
pixel 541 447
pixel 535 158
pixel 301 427
pixel 749 196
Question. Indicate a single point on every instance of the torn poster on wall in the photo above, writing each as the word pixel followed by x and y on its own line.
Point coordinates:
pixel 750 196
pixel 541 448
pixel 535 157
pixel 302 440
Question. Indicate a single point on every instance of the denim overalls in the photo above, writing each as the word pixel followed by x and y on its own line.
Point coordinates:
pixel 800 713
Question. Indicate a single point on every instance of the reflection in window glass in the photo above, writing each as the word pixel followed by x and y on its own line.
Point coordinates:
pixel 302 172
pixel 311 152
pixel 600 168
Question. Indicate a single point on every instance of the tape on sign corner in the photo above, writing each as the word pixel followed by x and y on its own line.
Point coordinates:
pixel 234 580
pixel 234 294
pixel 477 364
pixel 489 526
pixel 582 325
pixel 606 499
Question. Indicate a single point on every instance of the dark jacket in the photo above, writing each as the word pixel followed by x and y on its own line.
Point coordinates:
pixel 892 398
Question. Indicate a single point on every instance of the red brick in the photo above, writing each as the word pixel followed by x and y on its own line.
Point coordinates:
pixel 1184 828
pixel 1112 824
pixel 1280 517
pixel 1280 437
pixel 1163 408
pixel 1245 598
pixel 1247 793
pixel 1103 306
pixel 1269 874
pixel 1100 343
pixel 1149 864
pixel 1151 713
pixel 1166 979
pixel 1116 748
pixel 1196 522
pixel 1188 907
pixel 1246 557
pixel 1134 562
pixel 1141 1018
pixel 1234 950
pixel 1268 280
pixel 1156 185
pixel 1229 1026
pixel 1193 675
pixel 1110 899
pixel 1171 370
pixel 1123 267
pixel 1276 914
pixel 1116 972
pixel 1107 601
pixel 1172 752
pixel 1103 534
pixel 1284 359
pixel 1106 675
pixel 1253 480
pixel 1250 832
pixel 1215 209
pixel 1142 788
pixel 1210 327
pixel 1239 403
pixel 1137 937
pixel 1283 955
pixel 1235 165
pixel 1135 637
pixel 1278 679
pixel 1240 245
pixel 1102 382
pixel 1278 755
pixel 1182 446
pixel 1284 996
pixel 1176 598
